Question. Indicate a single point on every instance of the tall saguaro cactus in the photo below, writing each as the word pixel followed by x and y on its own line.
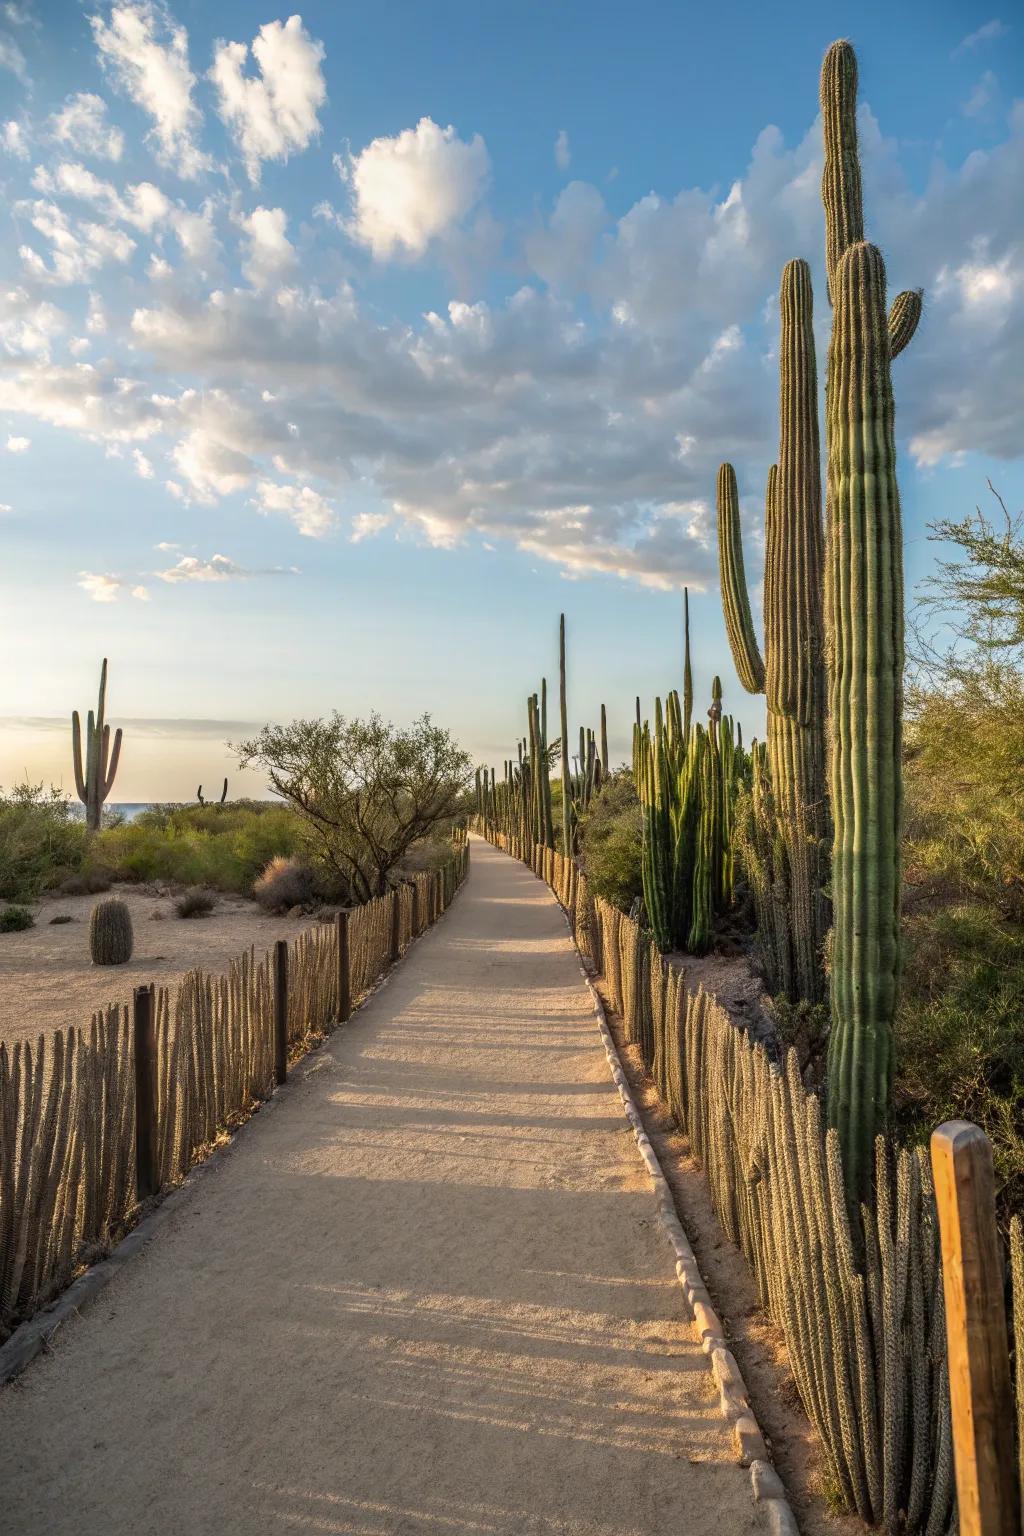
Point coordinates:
pixel 792 672
pixel 865 624
pixel 96 781
pixel 865 614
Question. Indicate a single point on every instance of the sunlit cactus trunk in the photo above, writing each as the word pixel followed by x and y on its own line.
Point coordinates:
pixel 865 615
pixel 792 672
pixel 567 797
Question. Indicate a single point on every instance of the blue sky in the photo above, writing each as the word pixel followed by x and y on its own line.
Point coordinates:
pixel 339 354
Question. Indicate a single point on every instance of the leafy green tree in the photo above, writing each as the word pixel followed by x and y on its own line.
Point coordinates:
pixel 366 790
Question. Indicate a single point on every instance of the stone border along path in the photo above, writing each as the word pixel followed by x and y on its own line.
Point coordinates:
pixel 427 1295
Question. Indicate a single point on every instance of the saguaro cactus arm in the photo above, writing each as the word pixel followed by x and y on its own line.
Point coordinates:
pixel 735 600
pixel 687 668
pixel 841 185
pixel 903 319
pixel 564 724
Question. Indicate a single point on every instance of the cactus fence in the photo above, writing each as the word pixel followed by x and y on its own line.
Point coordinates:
pixel 68 1186
pixel 860 1302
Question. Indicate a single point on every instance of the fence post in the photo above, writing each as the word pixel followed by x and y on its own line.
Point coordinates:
pixel 414 920
pixel 281 1011
pixel 396 922
pixel 976 1338
pixel 344 968
pixel 147 1173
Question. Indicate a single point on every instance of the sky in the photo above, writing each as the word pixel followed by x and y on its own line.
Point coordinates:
pixel 341 352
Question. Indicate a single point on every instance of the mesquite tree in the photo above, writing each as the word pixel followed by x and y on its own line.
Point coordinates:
pixel 366 790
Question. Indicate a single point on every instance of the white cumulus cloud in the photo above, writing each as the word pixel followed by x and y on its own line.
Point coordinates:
pixel 411 189
pixel 104 587
pixel 270 252
pixel 308 510
pixel 18 444
pixel 82 125
pixel 145 53
pixel 217 568
pixel 274 114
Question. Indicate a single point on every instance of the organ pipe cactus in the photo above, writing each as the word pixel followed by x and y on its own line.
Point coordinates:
pixel 95 780
pixel 567 819
pixel 865 616
pixel 792 670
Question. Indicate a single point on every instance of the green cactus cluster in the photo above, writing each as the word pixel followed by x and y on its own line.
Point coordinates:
pixel 94 778
pixel 687 779
pixel 520 806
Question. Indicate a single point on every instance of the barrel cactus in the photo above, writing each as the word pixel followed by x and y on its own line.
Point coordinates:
pixel 111 939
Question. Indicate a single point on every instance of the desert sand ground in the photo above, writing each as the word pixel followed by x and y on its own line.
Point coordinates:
pixel 47 980
pixel 428 1293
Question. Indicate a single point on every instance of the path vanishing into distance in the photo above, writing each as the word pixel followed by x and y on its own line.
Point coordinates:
pixel 426 1293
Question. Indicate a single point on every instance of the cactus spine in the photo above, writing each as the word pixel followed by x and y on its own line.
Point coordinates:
pixel 792 672
pixel 95 782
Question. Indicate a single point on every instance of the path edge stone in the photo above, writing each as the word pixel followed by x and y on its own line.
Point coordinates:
pixel 766 1485
pixel 33 1337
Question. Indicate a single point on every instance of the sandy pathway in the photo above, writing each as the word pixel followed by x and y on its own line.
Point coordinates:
pixel 426 1294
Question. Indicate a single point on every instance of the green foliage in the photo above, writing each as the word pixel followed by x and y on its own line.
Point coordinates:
pixel 364 790
pixel 222 847
pixel 41 841
pixel 610 836
pixel 15 919
pixel 111 939
pixel 959 1042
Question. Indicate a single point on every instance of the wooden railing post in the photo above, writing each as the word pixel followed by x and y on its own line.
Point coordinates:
pixel 396 922
pixel 281 1011
pixel 976 1338
pixel 414 921
pixel 344 968
pixel 147 1167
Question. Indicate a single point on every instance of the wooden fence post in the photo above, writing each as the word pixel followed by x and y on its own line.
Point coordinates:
pixel 281 1011
pixel 396 922
pixel 147 1168
pixel 414 922
pixel 344 968
pixel 976 1337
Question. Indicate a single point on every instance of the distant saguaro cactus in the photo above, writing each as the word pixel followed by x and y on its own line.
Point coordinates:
pixel 111 939
pixel 96 781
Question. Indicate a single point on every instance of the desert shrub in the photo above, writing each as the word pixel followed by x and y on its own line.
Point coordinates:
pixel 223 848
pixel 610 840
pixel 111 939
pixel 60 917
pixel 285 883
pixel 197 903
pixel 91 882
pixel 41 840
pixel 14 919
pixel 959 1045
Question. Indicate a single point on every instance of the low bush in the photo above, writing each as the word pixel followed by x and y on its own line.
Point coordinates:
pixel 611 842
pixel 92 882
pixel 61 917
pixel 41 840
pixel 285 883
pixel 197 903
pixel 223 848
pixel 15 919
